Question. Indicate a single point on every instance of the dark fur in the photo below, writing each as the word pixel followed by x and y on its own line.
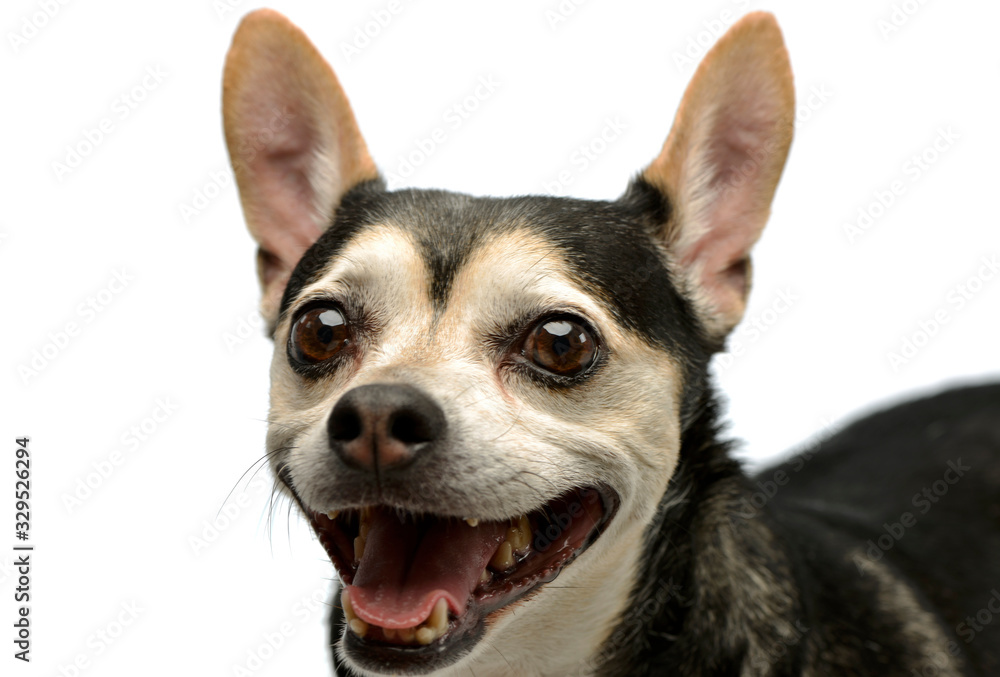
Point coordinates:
pixel 837 497
pixel 724 592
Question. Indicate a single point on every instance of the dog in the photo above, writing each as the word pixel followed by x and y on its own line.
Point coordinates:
pixel 497 415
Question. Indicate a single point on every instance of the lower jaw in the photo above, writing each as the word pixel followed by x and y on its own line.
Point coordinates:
pixel 372 652
pixel 393 659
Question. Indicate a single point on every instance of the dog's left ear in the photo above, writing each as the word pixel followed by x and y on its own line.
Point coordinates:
pixel 293 142
pixel 720 166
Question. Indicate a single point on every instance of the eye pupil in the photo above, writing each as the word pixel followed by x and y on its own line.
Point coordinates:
pixel 560 347
pixel 563 347
pixel 330 322
pixel 318 335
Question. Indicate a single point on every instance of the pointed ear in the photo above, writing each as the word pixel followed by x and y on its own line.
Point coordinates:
pixel 720 166
pixel 293 143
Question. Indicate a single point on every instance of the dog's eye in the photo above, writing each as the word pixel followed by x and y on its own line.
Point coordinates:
pixel 318 335
pixel 561 346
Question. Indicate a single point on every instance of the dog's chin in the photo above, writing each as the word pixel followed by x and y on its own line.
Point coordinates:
pixel 420 589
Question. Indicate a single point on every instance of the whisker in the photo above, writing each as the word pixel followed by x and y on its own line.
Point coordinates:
pixel 259 460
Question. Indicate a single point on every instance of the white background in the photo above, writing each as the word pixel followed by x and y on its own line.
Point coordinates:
pixel 205 609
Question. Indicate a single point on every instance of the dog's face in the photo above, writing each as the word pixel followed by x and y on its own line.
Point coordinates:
pixel 475 397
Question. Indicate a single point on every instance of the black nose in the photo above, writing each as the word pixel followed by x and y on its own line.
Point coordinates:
pixel 383 427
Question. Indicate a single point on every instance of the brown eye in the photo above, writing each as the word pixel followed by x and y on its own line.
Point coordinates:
pixel 318 335
pixel 561 346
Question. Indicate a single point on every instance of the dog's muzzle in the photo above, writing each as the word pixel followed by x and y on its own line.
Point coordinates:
pixel 420 581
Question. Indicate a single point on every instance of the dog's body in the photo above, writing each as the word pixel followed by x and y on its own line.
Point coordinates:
pixel 497 415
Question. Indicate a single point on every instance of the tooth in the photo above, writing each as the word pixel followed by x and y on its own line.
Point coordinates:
pixel 485 577
pixel 525 526
pixel 406 635
pixel 472 521
pixel 359 548
pixel 389 633
pixel 333 514
pixel 503 559
pixel 438 620
pixel 514 538
pixel 520 535
pixel 435 625
pixel 358 627
pixel 345 602
pixel 365 523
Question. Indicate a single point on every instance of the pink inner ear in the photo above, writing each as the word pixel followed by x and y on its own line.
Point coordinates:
pixel 719 258
pixel 277 153
pixel 286 200
pixel 292 138
pixel 724 214
pixel 721 164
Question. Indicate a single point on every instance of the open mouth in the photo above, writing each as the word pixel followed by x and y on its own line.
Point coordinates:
pixel 417 587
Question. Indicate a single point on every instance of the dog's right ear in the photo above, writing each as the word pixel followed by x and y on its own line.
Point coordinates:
pixel 720 166
pixel 293 142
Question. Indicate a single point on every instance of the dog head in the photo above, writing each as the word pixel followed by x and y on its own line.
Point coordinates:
pixel 472 397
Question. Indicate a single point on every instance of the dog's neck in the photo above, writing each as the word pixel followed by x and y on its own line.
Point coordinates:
pixel 709 575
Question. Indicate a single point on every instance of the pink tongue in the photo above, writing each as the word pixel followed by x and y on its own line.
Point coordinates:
pixel 408 567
